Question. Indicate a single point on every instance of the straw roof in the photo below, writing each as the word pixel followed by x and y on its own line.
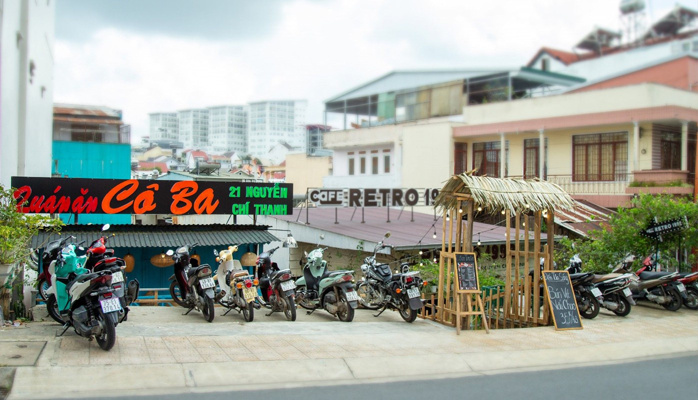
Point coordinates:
pixel 497 194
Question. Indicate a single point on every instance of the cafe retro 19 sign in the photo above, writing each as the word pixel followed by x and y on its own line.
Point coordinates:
pixel 135 196
pixel 395 197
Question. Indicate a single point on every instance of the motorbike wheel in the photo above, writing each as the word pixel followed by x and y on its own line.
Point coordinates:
pixel 675 302
pixel 624 306
pixel 52 308
pixel 367 296
pixel 174 292
pixel 290 311
pixel 593 310
pixel 208 310
pixel 348 315
pixel 691 301
pixel 408 314
pixel 302 292
pixel 248 312
pixel 108 337
pixel 43 286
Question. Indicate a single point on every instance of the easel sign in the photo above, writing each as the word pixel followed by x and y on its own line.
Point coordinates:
pixel 466 273
pixel 562 300
pixel 467 286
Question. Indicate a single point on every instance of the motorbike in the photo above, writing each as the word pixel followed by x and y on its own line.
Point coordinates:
pixel 238 287
pixel 192 285
pixel 277 286
pixel 689 281
pixel 657 287
pixel 322 288
pixel 380 289
pixel 586 295
pixel 616 295
pixel 49 255
pixel 84 300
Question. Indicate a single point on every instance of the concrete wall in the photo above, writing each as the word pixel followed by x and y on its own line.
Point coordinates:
pixel 304 172
pixel 427 155
pixel 26 88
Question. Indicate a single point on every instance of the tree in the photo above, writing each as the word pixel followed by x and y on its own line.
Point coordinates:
pixel 623 235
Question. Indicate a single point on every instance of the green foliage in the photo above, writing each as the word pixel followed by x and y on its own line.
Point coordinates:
pixel 428 271
pixel 676 183
pixel 622 235
pixel 17 229
pixel 488 277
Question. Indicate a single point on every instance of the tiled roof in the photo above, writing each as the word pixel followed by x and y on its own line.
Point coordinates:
pixel 163 236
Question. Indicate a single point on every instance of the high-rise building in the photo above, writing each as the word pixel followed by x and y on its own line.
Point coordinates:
pixel 227 129
pixel 164 126
pixel 314 141
pixel 272 122
pixel 193 127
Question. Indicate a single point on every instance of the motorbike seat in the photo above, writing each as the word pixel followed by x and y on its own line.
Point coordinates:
pixel 239 274
pixel 600 278
pixel 396 277
pixel 82 278
pixel 275 274
pixel 653 275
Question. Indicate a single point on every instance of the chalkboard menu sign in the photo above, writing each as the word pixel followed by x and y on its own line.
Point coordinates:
pixel 466 272
pixel 561 299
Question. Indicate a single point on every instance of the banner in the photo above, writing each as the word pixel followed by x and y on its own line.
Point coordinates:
pixel 395 197
pixel 136 196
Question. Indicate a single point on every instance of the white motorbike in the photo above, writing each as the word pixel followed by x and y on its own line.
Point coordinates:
pixel 238 288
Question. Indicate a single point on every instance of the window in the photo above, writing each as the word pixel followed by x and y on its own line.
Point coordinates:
pixel 460 157
pixel 386 163
pixel 545 64
pixel 351 163
pixel 487 158
pixel 600 157
pixel 532 158
pixel 363 165
pixel 374 165
pixel 670 145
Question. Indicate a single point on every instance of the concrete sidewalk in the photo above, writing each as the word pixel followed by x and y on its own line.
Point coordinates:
pixel 161 351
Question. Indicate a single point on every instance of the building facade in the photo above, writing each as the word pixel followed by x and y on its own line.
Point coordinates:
pixel 164 126
pixel 193 128
pixel 271 122
pixel 26 88
pixel 227 129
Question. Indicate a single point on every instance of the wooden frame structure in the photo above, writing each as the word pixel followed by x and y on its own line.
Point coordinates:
pixel 526 205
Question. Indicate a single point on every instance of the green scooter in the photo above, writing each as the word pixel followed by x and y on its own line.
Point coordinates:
pixel 321 288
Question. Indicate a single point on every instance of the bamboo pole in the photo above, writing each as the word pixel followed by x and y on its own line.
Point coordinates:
pixel 507 286
pixel 449 263
pixel 535 285
pixel 517 261
pixel 439 295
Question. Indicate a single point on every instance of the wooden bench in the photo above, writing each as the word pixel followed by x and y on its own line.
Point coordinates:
pixel 151 297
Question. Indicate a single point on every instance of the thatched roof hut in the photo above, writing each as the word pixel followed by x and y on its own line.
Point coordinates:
pixel 497 194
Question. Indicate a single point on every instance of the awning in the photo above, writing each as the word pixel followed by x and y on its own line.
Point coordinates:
pixel 163 236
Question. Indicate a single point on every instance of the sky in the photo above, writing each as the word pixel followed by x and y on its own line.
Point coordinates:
pixel 145 56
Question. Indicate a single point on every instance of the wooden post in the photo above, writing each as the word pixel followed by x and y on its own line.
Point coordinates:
pixel 535 285
pixel 507 286
pixel 517 260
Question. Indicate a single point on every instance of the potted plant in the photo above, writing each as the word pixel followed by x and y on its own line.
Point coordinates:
pixel 16 232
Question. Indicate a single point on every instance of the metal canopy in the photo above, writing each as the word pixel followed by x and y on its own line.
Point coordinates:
pixel 598 39
pixel 672 23
pixel 163 236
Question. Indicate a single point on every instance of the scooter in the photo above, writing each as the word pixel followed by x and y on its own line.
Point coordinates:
pixel 321 288
pixel 83 300
pixel 49 255
pixel 192 285
pixel 277 286
pixel 686 284
pixel 614 288
pixel 657 287
pixel 238 287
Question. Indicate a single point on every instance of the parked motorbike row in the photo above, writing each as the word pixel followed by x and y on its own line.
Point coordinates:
pixel 193 287
pixel 623 288
pixel 89 292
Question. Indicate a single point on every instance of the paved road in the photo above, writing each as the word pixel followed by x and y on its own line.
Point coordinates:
pixel 664 378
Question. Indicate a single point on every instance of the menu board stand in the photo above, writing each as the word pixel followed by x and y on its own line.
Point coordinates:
pixel 563 305
pixel 467 291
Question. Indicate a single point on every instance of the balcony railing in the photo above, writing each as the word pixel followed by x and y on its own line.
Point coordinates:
pixel 654 181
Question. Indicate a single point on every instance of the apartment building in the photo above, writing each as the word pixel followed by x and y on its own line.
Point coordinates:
pixel 193 128
pixel 272 122
pixel 227 129
pixel 164 126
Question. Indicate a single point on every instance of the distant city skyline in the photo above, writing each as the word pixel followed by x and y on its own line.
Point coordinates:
pixel 155 56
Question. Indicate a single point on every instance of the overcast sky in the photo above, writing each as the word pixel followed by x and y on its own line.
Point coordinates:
pixel 144 56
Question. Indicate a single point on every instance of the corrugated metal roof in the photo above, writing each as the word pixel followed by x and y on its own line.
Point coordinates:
pixel 164 236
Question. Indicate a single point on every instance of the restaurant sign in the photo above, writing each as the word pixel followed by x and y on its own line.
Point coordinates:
pixel 137 196
pixel 377 197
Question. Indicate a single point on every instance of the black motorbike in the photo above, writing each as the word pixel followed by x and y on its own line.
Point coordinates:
pixel 192 285
pixel 381 289
pixel 615 289
pixel 277 286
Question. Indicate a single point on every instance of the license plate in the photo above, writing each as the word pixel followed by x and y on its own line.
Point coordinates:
pixel 207 283
pixel 412 292
pixel 681 287
pixel 627 292
pixel 352 296
pixel 249 294
pixel 110 305
pixel 596 292
pixel 117 277
pixel 288 285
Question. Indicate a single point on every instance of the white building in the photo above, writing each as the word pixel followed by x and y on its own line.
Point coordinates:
pixel 193 128
pixel 164 126
pixel 227 129
pixel 271 122
pixel 26 88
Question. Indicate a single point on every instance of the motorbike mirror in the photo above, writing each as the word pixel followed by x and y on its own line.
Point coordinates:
pixel 322 237
pixel 387 235
pixel 169 252
pixel 215 253
pixel 105 227
pixel 305 253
